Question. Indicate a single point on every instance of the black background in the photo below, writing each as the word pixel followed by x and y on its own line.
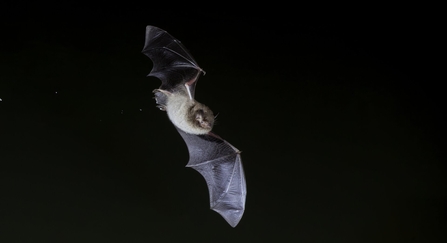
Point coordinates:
pixel 337 109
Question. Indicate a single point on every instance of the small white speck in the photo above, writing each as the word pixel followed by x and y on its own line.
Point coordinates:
pixel 141 109
pixel 55 92
pixel 1 99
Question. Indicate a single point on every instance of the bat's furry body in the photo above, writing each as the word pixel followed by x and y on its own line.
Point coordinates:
pixel 217 160
pixel 183 112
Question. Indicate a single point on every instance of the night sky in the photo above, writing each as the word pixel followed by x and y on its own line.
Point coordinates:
pixel 338 114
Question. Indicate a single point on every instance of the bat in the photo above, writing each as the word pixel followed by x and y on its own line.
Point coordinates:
pixel 215 159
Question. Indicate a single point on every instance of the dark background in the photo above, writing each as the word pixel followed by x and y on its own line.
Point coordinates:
pixel 337 109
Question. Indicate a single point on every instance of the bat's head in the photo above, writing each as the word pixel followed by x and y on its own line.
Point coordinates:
pixel 201 117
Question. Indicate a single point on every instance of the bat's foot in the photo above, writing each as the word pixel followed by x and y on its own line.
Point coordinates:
pixel 161 107
pixel 165 92
pixel 161 98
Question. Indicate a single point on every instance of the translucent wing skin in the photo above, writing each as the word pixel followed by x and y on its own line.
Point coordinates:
pixel 173 64
pixel 220 164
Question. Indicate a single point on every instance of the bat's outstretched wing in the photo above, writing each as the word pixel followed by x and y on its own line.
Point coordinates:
pixel 173 64
pixel 220 164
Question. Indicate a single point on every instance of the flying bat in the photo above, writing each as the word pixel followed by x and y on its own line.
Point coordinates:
pixel 214 158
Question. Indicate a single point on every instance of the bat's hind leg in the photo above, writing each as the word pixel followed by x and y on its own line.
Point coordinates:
pixel 161 98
